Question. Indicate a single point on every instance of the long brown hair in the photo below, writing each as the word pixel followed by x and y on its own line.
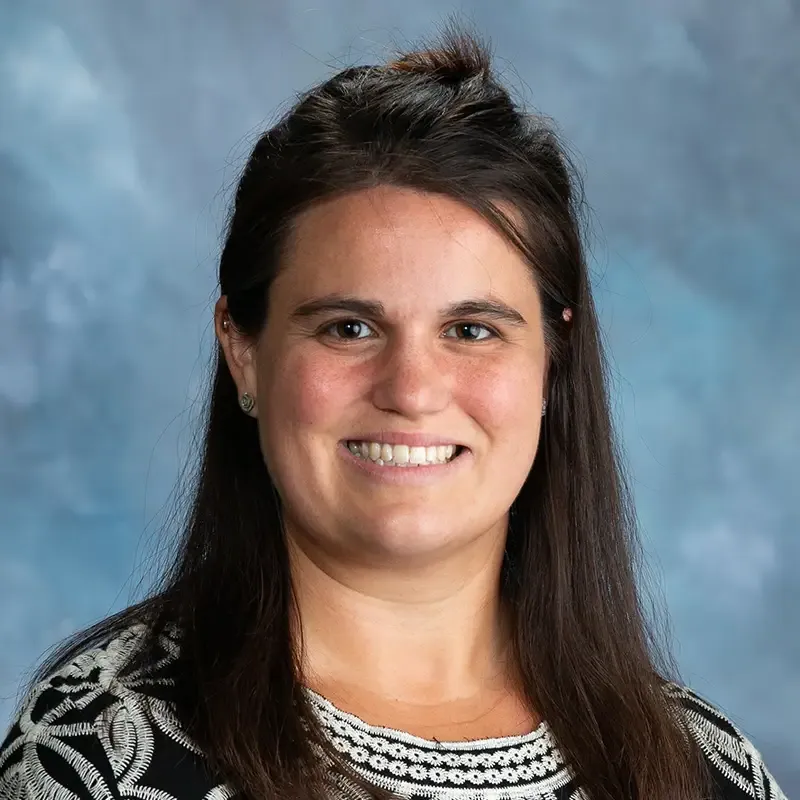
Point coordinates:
pixel 435 120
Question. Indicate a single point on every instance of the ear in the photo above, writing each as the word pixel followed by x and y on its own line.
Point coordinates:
pixel 239 351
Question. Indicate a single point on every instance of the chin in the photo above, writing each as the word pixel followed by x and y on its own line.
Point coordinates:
pixel 407 534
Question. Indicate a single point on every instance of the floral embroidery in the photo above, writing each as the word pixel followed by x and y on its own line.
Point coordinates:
pixel 99 728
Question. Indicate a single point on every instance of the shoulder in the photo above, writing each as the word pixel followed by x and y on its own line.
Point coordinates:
pixel 736 765
pixel 102 726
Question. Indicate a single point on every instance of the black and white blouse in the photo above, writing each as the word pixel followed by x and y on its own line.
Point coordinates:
pixel 85 732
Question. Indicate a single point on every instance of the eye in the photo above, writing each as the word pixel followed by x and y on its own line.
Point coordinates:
pixel 348 330
pixel 471 332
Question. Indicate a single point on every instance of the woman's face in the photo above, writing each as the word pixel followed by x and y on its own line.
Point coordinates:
pixel 399 321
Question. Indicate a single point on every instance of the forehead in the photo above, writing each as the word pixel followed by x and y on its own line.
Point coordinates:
pixel 396 244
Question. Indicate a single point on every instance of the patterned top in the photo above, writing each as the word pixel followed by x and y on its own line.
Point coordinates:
pixel 84 733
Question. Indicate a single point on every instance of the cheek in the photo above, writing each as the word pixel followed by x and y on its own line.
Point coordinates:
pixel 505 399
pixel 308 391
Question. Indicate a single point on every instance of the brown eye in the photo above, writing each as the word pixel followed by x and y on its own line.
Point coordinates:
pixel 348 329
pixel 472 332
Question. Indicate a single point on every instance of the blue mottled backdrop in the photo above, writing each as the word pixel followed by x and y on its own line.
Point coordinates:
pixel 122 129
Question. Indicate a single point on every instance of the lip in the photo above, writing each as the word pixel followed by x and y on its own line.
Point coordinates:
pixel 406 476
pixel 410 439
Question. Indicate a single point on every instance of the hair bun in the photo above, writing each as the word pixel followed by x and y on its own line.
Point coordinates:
pixel 458 58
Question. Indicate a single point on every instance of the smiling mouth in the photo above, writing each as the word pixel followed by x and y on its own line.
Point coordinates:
pixel 401 455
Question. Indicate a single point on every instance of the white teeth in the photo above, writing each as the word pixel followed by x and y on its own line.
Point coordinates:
pixel 417 455
pixel 401 455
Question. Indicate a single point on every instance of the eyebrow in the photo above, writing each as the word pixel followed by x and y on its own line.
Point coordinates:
pixel 485 307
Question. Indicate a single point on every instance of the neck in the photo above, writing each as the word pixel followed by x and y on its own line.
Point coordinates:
pixel 427 636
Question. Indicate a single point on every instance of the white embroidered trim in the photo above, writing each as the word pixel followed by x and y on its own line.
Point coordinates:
pixel 508 767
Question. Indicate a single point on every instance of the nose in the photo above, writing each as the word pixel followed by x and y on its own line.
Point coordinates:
pixel 411 380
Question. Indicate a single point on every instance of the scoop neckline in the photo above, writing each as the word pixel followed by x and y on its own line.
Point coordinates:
pixel 384 732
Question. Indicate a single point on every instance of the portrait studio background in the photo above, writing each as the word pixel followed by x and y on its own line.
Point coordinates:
pixel 123 128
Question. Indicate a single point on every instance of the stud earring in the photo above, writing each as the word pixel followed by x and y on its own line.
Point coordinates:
pixel 544 405
pixel 246 402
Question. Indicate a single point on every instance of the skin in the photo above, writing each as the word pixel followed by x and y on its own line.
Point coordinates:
pixel 397 585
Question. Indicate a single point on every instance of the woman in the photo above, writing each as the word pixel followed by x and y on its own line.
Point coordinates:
pixel 408 569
